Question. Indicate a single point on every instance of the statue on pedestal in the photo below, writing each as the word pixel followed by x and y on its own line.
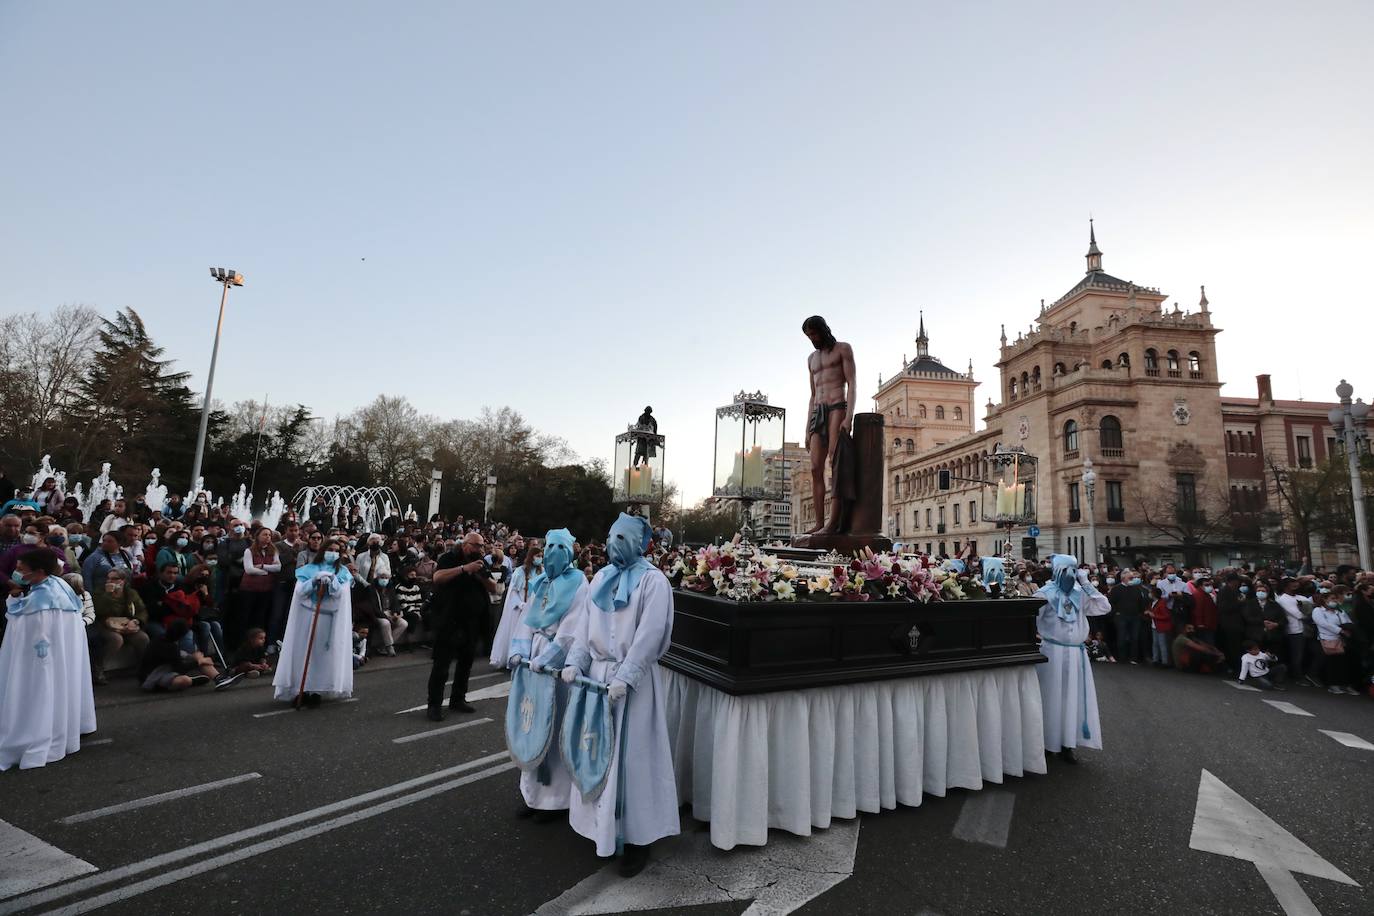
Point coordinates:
pixel 848 446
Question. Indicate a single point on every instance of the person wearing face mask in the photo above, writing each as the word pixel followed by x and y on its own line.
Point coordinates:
pixel 1068 693
pixel 44 667
pixel 462 586
pixel 1130 603
pixel 622 629
pixel 176 548
pixel 108 556
pixel 540 637
pixel 1025 583
pixel 1335 640
pixel 323 584
pixel 514 607
pixel 1231 621
pixel 230 553
pixel 1296 609
pixel 31 537
pixel 1204 614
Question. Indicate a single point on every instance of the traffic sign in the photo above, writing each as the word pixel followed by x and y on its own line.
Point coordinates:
pixel 1034 531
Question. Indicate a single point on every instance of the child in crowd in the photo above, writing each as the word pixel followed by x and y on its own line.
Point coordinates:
pixel 359 647
pixel 1098 650
pixel 250 660
pixel 410 599
pixel 1161 625
pixel 1258 667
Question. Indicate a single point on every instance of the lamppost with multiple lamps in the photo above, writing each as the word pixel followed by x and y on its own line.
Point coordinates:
pixel 226 277
pixel 1350 421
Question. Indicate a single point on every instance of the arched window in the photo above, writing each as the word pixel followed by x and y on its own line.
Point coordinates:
pixel 1025 383
pixel 1124 361
pixel 899 411
pixel 1107 364
pixel 910 445
pixel 1071 436
pixel 1151 362
pixel 1172 363
pixel 939 412
pixel 1194 364
pixel 958 413
pixel 896 444
pixel 922 407
pixel 1035 378
pixel 1111 437
pixel 1011 389
pixel 896 486
pixel 1059 369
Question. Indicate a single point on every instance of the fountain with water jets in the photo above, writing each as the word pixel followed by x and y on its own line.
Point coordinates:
pixel 241 506
pixel 102 488
pixel 276 507
pixel 155 494
pixel 374 503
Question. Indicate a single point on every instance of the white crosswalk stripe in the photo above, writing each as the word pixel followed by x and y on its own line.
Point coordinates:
pixel 28 863
pixel 1289 708
pixel 1348 740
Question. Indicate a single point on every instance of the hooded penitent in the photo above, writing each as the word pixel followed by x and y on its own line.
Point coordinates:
pixel 553 590
pixel 993 571
pixel 630 536
pixel 1062 591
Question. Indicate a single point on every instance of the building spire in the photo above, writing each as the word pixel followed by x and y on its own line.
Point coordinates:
pixel 1203 303
pixel 1004 335
pixel 922 341
pixel 1094 254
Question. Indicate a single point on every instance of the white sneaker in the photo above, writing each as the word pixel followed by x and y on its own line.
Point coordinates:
pixel 1336 690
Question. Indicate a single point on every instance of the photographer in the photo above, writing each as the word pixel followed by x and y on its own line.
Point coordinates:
pixel 463 586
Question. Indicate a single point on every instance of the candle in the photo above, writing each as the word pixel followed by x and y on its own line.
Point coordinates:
pixel 639 481
pixel 753 468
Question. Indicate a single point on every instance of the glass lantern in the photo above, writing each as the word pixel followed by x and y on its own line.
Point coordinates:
pixel 1011 498
pixel 638 466
pixel 748 432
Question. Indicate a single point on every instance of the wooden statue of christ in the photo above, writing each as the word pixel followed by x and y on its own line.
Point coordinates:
pixel 830 417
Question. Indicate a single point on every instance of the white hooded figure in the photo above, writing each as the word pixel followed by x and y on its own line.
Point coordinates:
pixel 622 629
pixel 46 699
pixel 325 582
pixel 1067 692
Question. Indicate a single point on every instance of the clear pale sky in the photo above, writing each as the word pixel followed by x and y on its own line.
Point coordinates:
pixel 578 209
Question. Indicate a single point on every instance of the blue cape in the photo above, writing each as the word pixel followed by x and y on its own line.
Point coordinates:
pixel 630 536
pixel 553 590
pixel 993 571
pixel 1062 591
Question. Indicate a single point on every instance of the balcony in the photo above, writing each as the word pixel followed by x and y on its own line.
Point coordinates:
pixel 940 529
pixel 1153 373
pixel 1194 373
pixel 1070 453
pixel 1075 515
pixel 1117 514
pixel 1113 453
pixel 1175 373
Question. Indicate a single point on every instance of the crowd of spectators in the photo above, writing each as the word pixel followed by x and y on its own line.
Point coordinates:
pixel 190 594
pixel 1256 623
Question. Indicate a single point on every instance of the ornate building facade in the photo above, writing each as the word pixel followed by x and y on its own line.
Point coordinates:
pixel 1109 376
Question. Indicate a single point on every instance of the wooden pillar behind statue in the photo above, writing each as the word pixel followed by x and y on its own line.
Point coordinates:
pixel 868 475
pixel 861 521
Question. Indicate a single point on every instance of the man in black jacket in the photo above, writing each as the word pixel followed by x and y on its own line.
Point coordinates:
pixel 1129 602
pixel 1231 621
pixel 462 589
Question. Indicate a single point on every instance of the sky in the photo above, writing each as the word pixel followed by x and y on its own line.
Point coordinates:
pixel 579 209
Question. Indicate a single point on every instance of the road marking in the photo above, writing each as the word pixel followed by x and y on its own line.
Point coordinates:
pixel 156 799
pixel 27 863
pixel 1289 708
pixel 1226 824
pixel 438 731
pixel 282 712
pixel 1239 686
pixel 179 855
pixel 286 839
pixel 449 696
pixel 1348 740
pixel 986 818
pixel 783 876
pixel 494 692
pixel 97 742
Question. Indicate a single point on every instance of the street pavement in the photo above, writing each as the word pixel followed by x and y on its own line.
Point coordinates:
pixel 209 803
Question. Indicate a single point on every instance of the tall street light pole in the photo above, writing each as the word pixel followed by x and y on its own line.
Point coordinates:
pixel 226 278
pixel 1090 491
pixel 1349 420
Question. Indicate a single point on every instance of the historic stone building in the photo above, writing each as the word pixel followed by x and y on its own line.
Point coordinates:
pixel 1105 374
pixel 1108 374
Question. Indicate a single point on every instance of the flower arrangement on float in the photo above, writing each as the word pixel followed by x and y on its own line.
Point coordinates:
pixel 742 573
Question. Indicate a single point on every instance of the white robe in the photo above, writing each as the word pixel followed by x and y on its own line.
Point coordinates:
pixel 627 644
pixel 550 650
pixel 331 660
pixel 46 699
pixel 1067 692
pixel 511 612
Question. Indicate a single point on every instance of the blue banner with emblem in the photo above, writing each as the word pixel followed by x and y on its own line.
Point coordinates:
pixel 531 712
pixel 587 738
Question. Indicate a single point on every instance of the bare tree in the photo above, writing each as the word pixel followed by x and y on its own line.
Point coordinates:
pixel 1308 494
pixel 1188 516
pixel 42 362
